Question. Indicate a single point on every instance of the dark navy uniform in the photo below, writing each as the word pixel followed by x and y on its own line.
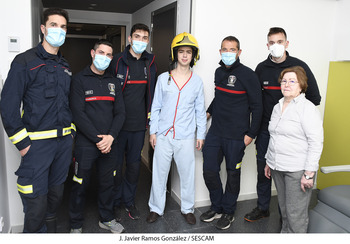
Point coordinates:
pixel 98 109
pixel 40 81
pixel 237 99
pixel 268 73
pixel 137 79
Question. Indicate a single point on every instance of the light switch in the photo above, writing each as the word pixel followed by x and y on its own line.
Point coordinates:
pixel 13 44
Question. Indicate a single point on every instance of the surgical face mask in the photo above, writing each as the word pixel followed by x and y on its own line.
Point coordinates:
pixel 139 46
pixel 277 50
pixel 101 62
pixel 55 36
pixel 228 58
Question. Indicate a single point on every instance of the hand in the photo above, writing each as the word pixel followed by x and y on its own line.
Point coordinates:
pixel 267 171
pixel 304 183
pixel 24 151
pixel 247 140
pixel 105 145
pixel 200 143
pixel 153 140
pixel 208 115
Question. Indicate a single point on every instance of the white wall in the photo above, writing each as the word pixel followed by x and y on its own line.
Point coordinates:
pixel 317 30
pixel 16 21
pixel 308 24
pixel 341 32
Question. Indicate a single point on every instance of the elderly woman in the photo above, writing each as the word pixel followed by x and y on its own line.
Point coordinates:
pixel 294 149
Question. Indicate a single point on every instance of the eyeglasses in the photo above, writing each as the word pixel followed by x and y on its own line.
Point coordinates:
pixel 290 82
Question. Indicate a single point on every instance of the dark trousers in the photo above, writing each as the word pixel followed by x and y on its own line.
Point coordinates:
pixel 215 148
pixel 263 186
pixel 41 175
pixel 130 144
pixel 105 170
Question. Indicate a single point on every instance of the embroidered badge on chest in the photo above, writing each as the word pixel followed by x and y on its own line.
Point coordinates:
pixel 145 71
pixel 231 80
pixel 68 72
pixel 89 92
pixel 111 88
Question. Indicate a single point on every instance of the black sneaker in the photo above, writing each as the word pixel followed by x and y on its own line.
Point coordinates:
pixel 134 213
pixel 118 213
pixel 256 214
pixel 225 221
pixel 209 216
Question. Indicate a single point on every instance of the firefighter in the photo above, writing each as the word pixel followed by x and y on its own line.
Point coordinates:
pixel 236 112
pixel 268 72
pixel 42 128
pixel 135 70
pixel 98 112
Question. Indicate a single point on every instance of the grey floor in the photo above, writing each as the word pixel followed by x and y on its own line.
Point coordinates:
pixel 172 221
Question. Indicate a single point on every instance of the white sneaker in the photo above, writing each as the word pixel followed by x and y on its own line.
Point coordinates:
pixel 76 231
pixel 112 225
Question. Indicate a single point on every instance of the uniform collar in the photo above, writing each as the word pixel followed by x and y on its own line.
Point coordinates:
pixel 88 72
pixel 284 63
pixel 233 66
pixel 47 55
pixel 144 55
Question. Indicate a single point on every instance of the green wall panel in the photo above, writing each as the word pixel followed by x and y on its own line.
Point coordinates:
pixel 336 147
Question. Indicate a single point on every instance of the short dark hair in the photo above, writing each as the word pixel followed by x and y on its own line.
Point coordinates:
pixel 301 76
pixel 276 30
pixel 194 54
pixel 54 11
pixel 232 39
pixel 139 26
pixel 104 42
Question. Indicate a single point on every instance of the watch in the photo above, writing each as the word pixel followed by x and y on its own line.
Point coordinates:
pixel 308 177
